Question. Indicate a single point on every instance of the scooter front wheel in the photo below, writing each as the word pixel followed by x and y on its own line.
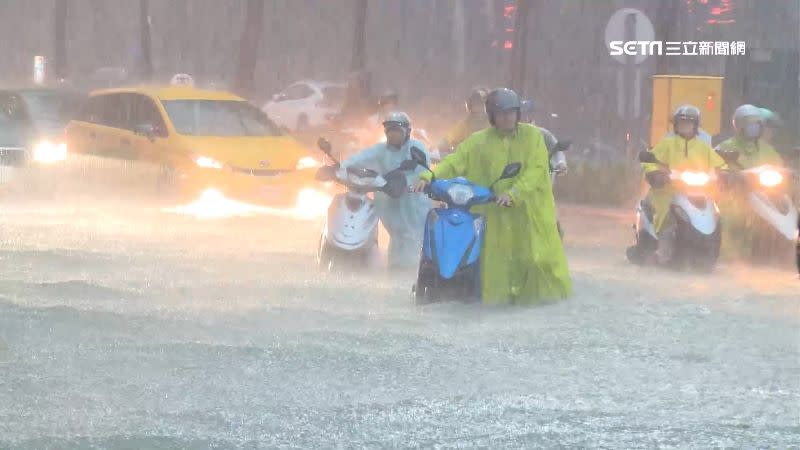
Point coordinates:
pixel 424 289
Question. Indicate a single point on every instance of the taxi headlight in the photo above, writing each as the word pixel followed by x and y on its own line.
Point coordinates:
pixel 208 162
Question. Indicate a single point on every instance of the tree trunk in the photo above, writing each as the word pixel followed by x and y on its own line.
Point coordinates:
pixel 145 43
pixel 248 47
pixel 359 61
pixel 519 47
pixel 60 40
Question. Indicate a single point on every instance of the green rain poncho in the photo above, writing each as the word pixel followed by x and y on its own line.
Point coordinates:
pixel 404 217
pixel 737 233
pixel 522 260
pixel 679 154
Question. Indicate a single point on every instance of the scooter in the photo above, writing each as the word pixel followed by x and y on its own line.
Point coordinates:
pixel 773 215
pixel 350 233
pixel 698 226
pixel 449 264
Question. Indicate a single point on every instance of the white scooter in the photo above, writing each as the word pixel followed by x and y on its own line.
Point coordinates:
pixel 350 234
pixel 698 227
pixel 774 216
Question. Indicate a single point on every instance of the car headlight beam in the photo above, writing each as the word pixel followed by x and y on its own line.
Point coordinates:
pixel 208 162
pixel 49 152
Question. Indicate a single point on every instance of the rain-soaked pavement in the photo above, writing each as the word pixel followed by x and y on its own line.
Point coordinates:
pixel 123 327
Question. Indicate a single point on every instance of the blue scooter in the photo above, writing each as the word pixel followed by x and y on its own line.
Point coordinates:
pixel 449 266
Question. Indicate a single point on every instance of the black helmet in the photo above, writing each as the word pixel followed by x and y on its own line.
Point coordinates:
pixel 686 112
pixel 476 97
pixel 500 100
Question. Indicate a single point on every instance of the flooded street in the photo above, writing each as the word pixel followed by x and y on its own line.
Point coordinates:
pixel 128 327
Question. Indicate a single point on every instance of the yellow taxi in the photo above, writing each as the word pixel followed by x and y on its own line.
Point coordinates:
pixel 207 139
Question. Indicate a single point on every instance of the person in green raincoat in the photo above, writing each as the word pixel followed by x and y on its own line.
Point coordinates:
pixel 681 150
pixel 403 217
pixel 474 121
pixel 753 151
pixel 522 260
pixel 748 142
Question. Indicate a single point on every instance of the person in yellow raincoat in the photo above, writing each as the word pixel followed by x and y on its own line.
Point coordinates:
pixel 682 150
pixel 522 260
pixel 475 121
pixel 753 151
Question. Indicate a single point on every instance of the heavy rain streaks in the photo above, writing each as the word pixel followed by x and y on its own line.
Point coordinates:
pixel 162 213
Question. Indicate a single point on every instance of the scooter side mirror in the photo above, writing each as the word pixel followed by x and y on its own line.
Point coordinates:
pixel 325 173
pixel 418 156
pixel 647 157
pixel 562 146
pixel 395 185
pixel 408 164
pixel 730 156
pixel 324 145
pixel 511 170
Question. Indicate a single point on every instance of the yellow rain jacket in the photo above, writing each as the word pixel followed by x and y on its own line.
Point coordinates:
pixel 522 260
pixel 752 154
pixel 737 236
pixel 679 154
pixel 464 128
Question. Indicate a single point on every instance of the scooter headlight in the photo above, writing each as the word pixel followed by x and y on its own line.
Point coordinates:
pixel 770 178
pixel 695 178
pixel 460 194
pixel 360 181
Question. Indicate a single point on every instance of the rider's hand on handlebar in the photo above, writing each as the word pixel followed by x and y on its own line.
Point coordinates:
pixel 504 200
pixel 419 186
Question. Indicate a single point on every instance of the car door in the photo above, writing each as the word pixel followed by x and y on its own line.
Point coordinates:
pixel 82 130
pixel 114 136
pixel 150 146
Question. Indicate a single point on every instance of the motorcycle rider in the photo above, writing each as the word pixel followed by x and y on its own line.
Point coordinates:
pixel 753 151
pixel 748 142
pixel 404 217
pixel 682 150
pixel 523 260
pixel 474 121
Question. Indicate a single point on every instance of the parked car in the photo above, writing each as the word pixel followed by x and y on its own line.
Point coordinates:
pixel 306 104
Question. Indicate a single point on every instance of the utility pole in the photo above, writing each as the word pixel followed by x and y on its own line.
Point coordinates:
pixel 519 47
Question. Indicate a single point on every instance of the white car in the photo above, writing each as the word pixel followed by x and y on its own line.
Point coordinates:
pixel 305 104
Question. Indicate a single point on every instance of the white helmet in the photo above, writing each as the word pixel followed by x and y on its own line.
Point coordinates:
pixel 182 79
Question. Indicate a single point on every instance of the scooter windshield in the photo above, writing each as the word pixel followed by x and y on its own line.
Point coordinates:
pixel 460 192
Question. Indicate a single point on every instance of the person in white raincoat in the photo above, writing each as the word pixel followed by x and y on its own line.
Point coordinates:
pixel 403 217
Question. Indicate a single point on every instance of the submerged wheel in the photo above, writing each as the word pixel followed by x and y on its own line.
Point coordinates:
pixel 425 288
pixel 325 256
